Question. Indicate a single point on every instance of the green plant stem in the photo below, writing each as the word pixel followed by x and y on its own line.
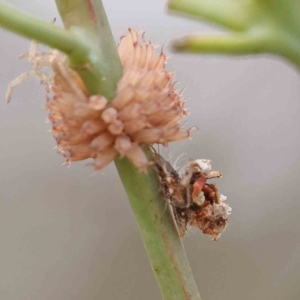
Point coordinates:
pixel 88 20
pixel 43 32
pixel 228 44
pixel 157 228
pixel 258 27
pixel 79 43
pixel 227 13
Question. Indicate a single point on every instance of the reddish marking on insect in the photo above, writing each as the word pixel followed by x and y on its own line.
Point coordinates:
pixel 203 213
pixel 198 185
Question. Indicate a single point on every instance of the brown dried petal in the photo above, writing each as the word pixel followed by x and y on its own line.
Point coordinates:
pixel 138 157
pixel 109 114
pixel 116 127
pixel 123 144
pixel 104 158
pixel 131 111
pixel 124 96
pixel 77 152
pixel 148 136
pixel 102 141
pixel 97 102
pixel 92 127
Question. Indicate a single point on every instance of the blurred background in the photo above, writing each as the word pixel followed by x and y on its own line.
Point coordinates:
pixel 68 233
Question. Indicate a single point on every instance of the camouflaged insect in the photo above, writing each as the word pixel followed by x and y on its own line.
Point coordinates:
pixel 194 201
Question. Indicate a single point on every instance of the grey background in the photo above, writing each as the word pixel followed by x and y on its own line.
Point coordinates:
pixel 68 233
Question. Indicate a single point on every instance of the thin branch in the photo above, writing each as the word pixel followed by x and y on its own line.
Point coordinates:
pixel 227 13
pixel 222 44
pixel 87 19
pixel 42 32
pixel 264 27
pixel 157 228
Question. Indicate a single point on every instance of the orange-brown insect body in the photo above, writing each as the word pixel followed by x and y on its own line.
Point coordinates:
pixel 194 201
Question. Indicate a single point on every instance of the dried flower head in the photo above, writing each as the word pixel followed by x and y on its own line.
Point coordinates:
pixel 146 108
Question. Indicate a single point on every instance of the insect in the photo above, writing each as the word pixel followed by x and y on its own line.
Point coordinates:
pixel 194 201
